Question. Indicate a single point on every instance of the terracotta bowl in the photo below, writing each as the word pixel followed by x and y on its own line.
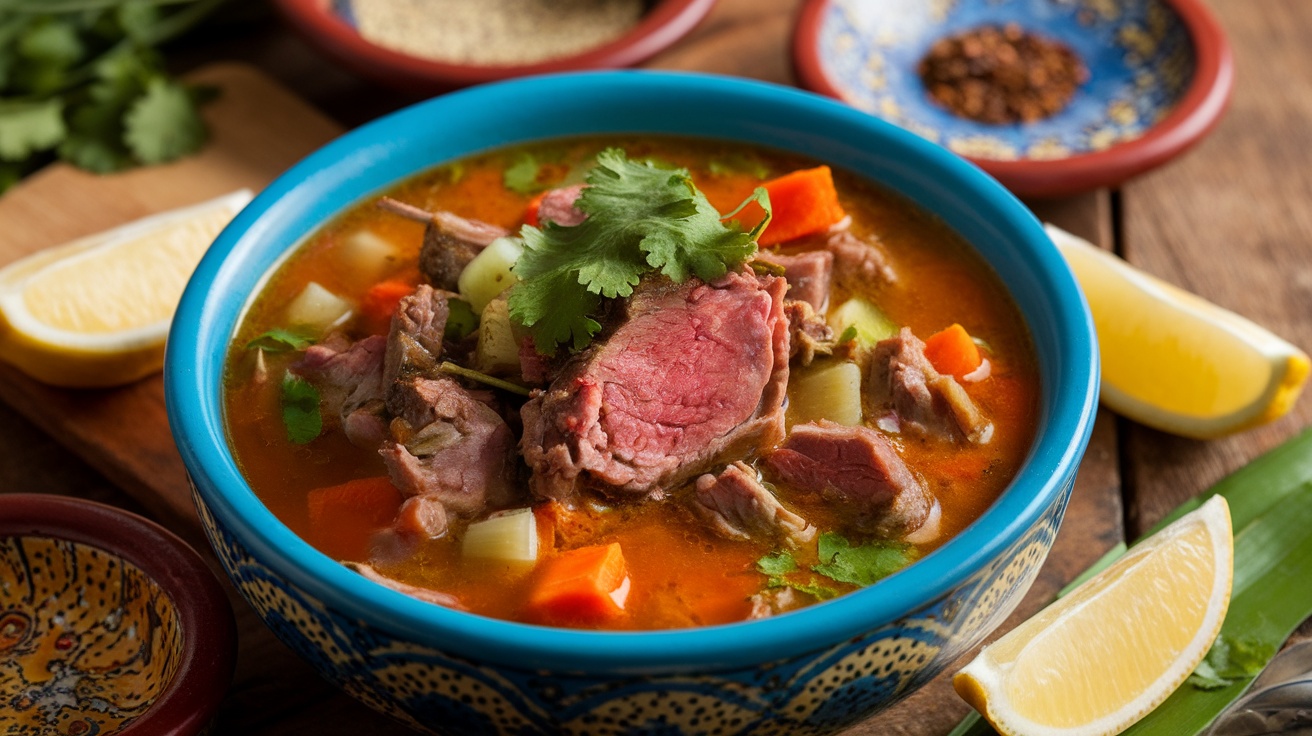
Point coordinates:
pixel 108 624
pixel 329 24
pixel 1160 74
pixel 809 671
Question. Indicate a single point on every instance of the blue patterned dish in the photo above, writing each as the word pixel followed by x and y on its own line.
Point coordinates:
pixel 812 671
pixel 1159 75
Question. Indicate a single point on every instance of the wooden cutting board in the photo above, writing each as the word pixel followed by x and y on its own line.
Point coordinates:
pixel 258 129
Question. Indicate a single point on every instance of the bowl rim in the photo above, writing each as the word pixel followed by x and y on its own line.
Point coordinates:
pixel 661 27
pixel 191 699
pixel 1193 117
pixel 199 340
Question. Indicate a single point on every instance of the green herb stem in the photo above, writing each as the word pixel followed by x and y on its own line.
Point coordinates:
pixel 455 370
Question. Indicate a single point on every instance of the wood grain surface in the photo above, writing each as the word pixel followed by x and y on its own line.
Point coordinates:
pixel 1231 220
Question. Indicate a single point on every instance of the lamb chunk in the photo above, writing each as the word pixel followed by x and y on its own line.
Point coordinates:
pixel 858 467
pixel 809 335
pixel 414 343
pixel 427 595
pixel 450 243
pixel 349 377
pixel 864 263
pixel 927 402
pixel 808 275
pixel 737 506
pixel 558 206
pixel 448 445
pixel 534 367
pixel 694 375
pixel 421 517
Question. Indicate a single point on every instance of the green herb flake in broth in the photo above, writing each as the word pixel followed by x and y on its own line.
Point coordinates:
pixel 863 565
pixel 461 320
pixel 738 163
pixel 280 340
pixel 521 176
pixel 300 409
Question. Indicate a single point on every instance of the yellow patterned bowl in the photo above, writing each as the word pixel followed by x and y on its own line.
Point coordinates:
pixel 108 624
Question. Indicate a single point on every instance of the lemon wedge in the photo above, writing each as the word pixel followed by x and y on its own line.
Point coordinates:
pixel 1102 657
pixel 96 311
pixel 1174 361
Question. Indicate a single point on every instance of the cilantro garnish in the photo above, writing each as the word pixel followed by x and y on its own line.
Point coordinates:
pixel 522 175
pixel 300 409
pixel 1229 661
pixel 863 565
pixel 279 340
pixel 460 320
pixel 641 219
pixel 779 565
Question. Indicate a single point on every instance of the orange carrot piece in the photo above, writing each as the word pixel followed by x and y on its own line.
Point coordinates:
pixel 381 301
pixel 952 351
pixel 531 211
pixel 581 586
pixel 343 517
pixel 803 202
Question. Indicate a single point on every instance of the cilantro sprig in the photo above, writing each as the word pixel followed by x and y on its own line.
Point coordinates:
pixel 80 81
pixel 840 562
pixel 1229 661
pixel 641 219
pixel 300 409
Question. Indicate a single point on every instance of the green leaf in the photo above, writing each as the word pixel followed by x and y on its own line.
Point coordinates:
pixel 863 565
pixel 138 19
pixel 280 340
pixel 819 592
pixel 164 124
pixel 29 127
pixel 1229 661
pixel 53 42
pixel 522 175
pixel 461 320
pixel 779 563
pixel 300 409
pixel 95 138
pixel 848 334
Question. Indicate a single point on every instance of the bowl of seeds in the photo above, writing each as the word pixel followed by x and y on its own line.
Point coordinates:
pixel 432 46
pixel 1052 97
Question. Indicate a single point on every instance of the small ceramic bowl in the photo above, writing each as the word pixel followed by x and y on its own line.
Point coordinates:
pixel 331 25
pixel 108 624
pixel 811 671
pixel 1160 74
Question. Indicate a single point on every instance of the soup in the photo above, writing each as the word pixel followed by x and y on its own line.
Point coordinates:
pixel 610 383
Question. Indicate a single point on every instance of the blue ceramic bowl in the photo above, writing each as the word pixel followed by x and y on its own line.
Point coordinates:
pixel 812 671
pixel 1160 72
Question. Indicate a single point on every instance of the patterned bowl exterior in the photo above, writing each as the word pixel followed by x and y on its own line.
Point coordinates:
pixel 818 692
pixel 1138 53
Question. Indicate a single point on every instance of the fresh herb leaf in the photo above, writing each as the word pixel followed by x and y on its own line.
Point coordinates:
pixel 522 175
pixel 739 163
pixel 848 334
pixel 863 565
pixel 29 127
pixel 1229 661
pixel 640 219
pixel 460 320
pixel 163 124
pixel 820 592
pixel 300 409
pixel 779 563
pixel 279 340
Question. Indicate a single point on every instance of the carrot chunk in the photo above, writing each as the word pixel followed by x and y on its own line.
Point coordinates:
pixel 381 301
pixel 531 211
pixel 952 351
pixel 343 517
pixel 587 585
pixel 804 202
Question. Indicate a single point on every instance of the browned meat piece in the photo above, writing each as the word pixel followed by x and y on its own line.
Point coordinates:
pixel 558 207
pixel 772 602
pixel 448 445
pixel 450 243
pixel 858 467
pixel 808 275
pixel 349 377
pixel 737 506
pixel 421 517
pixel 424 594
pixel 694 376
pixel 862 262
pixel 935 405
pixel 809 335
pixel 414 343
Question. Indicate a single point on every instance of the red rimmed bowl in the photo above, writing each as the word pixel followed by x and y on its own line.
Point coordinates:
pixel 325 24
pixel 108 623
pixel 1160 74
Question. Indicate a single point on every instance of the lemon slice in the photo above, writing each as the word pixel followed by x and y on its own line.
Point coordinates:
pixel 1104 656
pixel 96 311
pixel 1174 361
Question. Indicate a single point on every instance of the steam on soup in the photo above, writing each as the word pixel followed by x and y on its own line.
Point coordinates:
pixel 556 384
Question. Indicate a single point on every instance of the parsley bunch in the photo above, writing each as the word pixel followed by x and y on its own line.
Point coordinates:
pixel 80 80
pixel 641 219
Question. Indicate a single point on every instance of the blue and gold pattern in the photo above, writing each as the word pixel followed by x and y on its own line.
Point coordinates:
pixel 87 640
pixel 815 693
pixel 1138 53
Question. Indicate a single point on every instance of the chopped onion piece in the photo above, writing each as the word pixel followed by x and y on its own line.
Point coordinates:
pixel 512 536
pixel 318 308
pixel 984 370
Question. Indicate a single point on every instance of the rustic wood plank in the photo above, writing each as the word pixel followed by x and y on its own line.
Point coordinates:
pixel 1231 221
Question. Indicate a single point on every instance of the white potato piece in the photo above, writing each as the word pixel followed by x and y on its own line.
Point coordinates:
pixel 827 391
pixel 871 324
pixel 489 273
pixel 317 308
pixel 368 255
pixel 497 352
pixel 511 536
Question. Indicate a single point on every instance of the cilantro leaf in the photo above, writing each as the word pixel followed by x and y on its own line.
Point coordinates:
pixel 29 127
pixel 779 563
pixel 53 42
pixel 460 321
pixel 640 219
pixel 819 592
pixel 279 340
pixel 163 124
pixel 300 409
pixel 1229 661
pixel 522 175
pixel 863 565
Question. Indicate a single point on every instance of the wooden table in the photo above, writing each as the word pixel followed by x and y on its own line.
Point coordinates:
pixel 1231 220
